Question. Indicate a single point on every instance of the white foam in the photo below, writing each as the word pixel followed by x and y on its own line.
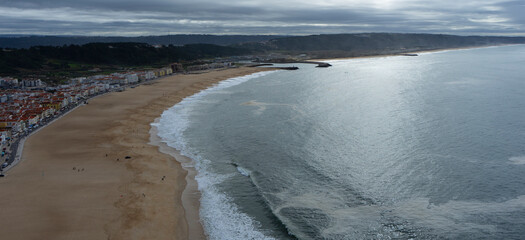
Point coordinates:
pixel 244 171
pixel 517 160
pixel 220 217
pixel 261 106
pixel 451 218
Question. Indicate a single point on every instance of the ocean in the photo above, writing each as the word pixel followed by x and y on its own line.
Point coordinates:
pixel 397 147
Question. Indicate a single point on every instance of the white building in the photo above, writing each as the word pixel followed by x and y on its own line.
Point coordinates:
pixel 102 87
pixel 78 80
pixel 132 78
pixel 146 75
pixel 4 134
pixel 31 83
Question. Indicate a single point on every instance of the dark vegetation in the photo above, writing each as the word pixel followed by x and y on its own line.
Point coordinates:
pixel 127 54
pixel 48 62
pixel 177 40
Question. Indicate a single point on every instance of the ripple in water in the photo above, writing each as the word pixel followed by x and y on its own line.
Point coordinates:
pixel 429 147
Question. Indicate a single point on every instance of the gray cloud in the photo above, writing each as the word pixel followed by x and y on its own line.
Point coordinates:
pixel 157 17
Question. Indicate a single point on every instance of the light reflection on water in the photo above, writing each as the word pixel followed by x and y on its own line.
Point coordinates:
pixel 426 147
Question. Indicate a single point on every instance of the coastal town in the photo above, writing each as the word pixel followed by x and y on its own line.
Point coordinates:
pixel 28 104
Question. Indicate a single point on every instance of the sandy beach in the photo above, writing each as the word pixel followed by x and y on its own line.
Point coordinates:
pixel 409 52
pixel 94 174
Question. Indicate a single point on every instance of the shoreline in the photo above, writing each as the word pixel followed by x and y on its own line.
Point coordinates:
pixel 409 52
pixel 191 194
pixel 93 174
pixel 20 148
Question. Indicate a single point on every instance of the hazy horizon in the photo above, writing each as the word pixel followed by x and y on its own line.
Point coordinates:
pixel 277 35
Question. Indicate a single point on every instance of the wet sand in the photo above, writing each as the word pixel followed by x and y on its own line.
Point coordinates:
pixel 75 182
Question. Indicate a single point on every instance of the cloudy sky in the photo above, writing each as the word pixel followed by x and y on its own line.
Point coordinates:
pixel 288 17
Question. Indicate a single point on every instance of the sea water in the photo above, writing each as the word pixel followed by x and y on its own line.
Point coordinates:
pixel 400 147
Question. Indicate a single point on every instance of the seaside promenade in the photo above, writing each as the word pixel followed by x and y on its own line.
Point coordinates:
pixel 15 145
pixel 92 174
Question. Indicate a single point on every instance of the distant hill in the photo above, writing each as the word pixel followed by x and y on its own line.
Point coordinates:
pixel 13 41
pixel 329 45
pixel 364 44
pixel 65 58
pixel 53 59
